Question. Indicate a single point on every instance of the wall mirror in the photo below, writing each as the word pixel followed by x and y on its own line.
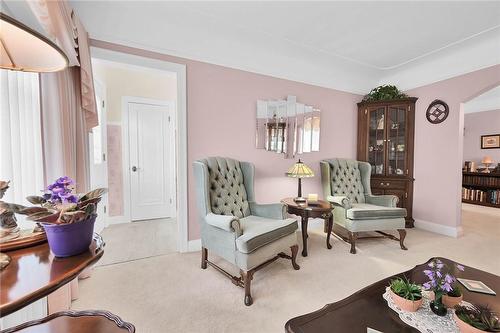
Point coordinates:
pixel 287 127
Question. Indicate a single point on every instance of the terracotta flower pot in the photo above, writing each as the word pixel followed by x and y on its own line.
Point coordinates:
pixel 463 327
pixel 451 301
pixel 406 304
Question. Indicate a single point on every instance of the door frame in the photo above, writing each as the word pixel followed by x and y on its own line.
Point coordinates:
pixel 180 128
pixel 101 90
pixel 127 200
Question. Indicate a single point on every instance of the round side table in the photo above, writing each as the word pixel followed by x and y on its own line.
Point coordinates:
pixel 320 209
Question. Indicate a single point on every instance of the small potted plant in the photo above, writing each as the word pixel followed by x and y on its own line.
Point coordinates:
pixel 453 297
pixel 67 218
pixel 476 319
pixel 440 282
pixel 405 294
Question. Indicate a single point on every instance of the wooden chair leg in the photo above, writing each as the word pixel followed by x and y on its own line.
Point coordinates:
pixel 402 236
pixel 295 250
pixel 204 257
pixel 247 281
pixel 352 240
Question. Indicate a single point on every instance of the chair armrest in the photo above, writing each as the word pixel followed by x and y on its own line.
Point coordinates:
pixel 387 200
pixel 272 211
pixel 340 200
pixel 225 222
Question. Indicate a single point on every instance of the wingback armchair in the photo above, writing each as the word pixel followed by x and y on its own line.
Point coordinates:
pixel 346 184
pixel 234 226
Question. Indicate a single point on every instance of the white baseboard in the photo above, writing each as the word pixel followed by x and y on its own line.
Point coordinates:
pixel 194 245
pixel 117 220
pixel 439 228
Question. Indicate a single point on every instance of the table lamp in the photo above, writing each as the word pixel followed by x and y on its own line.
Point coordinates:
pixel 487 160
pixel 300 170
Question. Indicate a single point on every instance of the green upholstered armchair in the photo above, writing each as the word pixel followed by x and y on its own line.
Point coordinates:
pixel 234 226
pixel 346 184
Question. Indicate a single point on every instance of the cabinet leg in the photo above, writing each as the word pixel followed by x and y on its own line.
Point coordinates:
pixel 402 236
pixel 304 236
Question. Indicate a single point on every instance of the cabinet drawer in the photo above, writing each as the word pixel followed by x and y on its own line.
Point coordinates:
pixel 389 184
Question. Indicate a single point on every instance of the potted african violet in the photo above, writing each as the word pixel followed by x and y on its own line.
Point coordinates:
pixel 453 297
pixel 476 319
pixel 67 218
pixel 405 294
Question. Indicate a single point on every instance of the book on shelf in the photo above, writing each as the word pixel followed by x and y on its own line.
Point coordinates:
pixel 488 196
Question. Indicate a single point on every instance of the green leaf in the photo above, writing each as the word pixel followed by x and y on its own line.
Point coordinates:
pixel 97 193
pixel 36 199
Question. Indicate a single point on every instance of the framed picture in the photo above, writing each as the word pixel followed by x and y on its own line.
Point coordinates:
pixel 476 286
pixel 491 141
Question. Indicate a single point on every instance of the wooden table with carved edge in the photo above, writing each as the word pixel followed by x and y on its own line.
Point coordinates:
pixel 78 321
pixel 367 308
pixel 34 273
pixel 321 209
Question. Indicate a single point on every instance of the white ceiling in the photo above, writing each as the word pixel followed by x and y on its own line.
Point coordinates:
pixel 488 101
pixel 350 46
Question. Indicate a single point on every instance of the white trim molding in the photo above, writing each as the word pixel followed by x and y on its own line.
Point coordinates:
pixel 439 228
pixel 194 245
pixel 181 128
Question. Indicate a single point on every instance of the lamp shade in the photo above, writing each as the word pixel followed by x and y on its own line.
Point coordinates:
pixel 24 49
pixel 300 170
pixel 487 160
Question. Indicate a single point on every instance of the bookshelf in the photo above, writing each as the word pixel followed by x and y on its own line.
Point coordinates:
pixel 480 188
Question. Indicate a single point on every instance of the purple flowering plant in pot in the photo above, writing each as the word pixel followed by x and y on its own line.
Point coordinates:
pixel 441 282
pixel 67 218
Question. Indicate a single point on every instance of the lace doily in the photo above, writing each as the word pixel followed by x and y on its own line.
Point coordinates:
pixel 424 319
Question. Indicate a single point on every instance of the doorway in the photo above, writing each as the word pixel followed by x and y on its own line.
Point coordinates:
pixel 481 164
pixel 141 110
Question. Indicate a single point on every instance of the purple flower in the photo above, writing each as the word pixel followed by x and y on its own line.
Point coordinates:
pixel 448 278
pixel 65 180
pixel 427 285
pixel 439 274
pixel 429 273
pixel 447 287
pixel 460 267
pixel 431 264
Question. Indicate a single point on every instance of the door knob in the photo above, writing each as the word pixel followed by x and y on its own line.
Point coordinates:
pixel 134 168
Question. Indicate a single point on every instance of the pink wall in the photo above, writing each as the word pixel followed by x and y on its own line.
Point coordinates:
pixel 221 115
pixel 438 148
pixel 221 105
pixel 477 124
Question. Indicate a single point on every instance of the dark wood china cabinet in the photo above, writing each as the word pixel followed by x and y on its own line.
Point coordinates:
pixel 385 140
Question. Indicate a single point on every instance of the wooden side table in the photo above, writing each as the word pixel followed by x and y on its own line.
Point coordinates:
pixel 76 322
pixel 321 209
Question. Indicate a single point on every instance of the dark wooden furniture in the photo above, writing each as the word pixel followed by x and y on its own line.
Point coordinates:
pixel 385 140
pixel 76 322
pixel 26 238
pixel 367 308
pixel 321 209
pixel 481 188
pixel 34 273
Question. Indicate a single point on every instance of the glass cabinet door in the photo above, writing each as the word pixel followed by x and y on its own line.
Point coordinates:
pixel 396 140
pixel 376 139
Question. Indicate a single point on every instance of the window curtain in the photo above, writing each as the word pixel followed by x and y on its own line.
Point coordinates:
pixel 65 137
pixel 21 159
pixel 68 104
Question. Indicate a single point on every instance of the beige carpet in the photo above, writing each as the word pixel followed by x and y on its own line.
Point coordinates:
pixel 171 293
pixel 138 240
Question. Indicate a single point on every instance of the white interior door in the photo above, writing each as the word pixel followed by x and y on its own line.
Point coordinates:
pixel 151 144
pixel 98 156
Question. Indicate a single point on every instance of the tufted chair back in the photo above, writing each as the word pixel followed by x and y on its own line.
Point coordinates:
pixel 227 192
pixel 346 179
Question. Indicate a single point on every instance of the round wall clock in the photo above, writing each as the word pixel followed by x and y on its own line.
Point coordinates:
pixel 437 112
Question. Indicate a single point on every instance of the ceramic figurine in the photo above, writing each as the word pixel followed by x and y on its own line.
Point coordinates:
pixel 8 223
